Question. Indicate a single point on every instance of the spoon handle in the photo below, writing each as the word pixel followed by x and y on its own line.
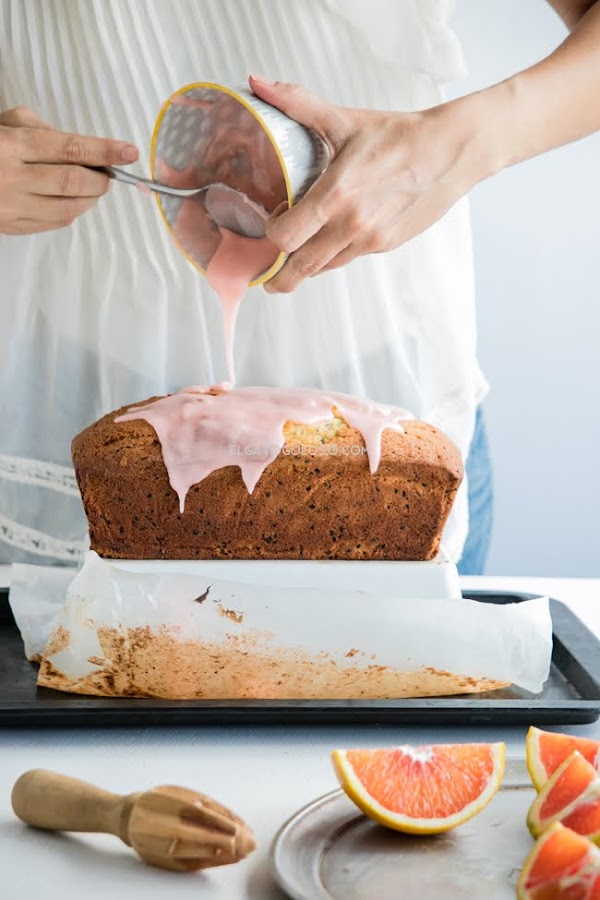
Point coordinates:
pixel 124 176
pixel 139 181
pixel 59 803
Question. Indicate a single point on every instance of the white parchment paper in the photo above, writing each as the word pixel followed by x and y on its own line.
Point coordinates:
pixel 509 643
pixel 36 596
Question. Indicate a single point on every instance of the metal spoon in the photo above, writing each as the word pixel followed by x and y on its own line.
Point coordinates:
pixel 228 207
pixel 148 184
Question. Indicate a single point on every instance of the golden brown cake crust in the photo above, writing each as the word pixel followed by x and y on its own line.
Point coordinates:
pixel 308 504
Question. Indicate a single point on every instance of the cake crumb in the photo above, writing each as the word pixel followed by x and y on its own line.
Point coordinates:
pixel 232 614
pixel 145 662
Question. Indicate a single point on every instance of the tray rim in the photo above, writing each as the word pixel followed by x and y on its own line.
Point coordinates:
pixel 477 709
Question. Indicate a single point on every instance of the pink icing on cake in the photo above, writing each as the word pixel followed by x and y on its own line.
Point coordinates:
pixel 201 432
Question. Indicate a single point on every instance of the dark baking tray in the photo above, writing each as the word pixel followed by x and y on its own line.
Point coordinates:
pixel 571 694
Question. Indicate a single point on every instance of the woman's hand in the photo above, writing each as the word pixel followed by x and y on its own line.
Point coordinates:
pixel 44 182
pixel 394 174
pixel 391 175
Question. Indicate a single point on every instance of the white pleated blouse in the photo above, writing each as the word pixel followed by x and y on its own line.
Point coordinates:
pixel 108 312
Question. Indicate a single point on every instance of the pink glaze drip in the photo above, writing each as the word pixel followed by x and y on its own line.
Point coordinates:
pixel 231 260
pixel 235 263
pixel 232 148
pixel 201 432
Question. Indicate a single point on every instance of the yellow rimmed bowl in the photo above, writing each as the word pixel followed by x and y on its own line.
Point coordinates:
pixel 210 133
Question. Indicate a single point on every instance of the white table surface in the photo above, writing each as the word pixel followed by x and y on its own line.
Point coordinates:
pixel 264 773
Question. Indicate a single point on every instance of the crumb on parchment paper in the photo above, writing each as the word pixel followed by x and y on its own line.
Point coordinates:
pixel 145 662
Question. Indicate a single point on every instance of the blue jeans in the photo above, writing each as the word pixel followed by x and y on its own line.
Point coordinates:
pixel 481 496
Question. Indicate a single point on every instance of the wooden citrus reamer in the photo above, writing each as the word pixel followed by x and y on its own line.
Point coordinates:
pixel 170 827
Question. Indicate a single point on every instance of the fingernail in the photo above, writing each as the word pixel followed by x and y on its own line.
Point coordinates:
pixel 262 80
pixel 268 288
pixel 128 153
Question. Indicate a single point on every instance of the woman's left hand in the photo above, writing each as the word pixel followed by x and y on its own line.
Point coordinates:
pixel 391 175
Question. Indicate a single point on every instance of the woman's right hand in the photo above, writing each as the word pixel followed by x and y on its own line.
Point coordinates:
pixel 44 182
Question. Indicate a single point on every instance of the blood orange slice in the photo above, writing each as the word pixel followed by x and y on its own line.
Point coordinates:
pixel 546 751
pixel 421 790
pixel 571 796
pixel 561 866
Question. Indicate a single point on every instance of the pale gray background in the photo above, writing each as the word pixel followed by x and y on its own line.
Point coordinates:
pixel 537 240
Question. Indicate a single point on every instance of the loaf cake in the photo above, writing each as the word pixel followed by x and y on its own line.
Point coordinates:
pixel 265 473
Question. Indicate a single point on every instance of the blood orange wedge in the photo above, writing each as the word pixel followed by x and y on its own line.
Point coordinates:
pixel 547 750
pixel 571 796
pixel 561 866
pixel 421 790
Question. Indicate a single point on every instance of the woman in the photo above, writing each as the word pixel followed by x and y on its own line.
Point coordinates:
pixel 105 312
